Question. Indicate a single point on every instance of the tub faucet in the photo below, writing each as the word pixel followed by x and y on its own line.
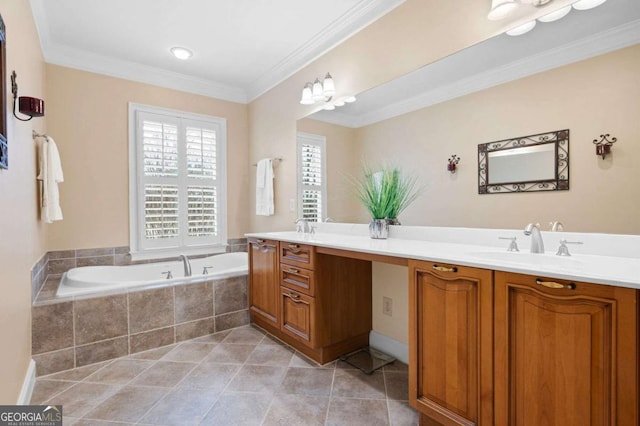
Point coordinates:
pixel 533 229
pixel 187 265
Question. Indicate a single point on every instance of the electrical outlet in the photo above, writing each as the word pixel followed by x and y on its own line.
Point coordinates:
pixel 292 204
pixel 387 306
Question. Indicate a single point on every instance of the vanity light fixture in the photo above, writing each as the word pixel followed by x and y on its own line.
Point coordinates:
pixel 181 53
pixel 31 107
pixel 549 17
pixel 318 91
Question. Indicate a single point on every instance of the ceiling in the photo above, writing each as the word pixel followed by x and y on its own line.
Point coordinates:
pixel 242 48
pixel 578 36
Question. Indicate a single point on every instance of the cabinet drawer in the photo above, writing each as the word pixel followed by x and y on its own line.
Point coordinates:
pixel 297 254
pixel 298 316
pixel 299 279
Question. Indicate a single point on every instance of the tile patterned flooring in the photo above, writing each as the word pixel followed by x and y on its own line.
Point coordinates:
pixel 237 377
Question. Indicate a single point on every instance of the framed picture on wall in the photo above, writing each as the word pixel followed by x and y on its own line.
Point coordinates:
pixel 4 147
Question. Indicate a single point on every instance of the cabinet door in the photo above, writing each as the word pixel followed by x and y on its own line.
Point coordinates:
pixel 298 316
pixel 565 352
pixel 263 279
pixel 450 343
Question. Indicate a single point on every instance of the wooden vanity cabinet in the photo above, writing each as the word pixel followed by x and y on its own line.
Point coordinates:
pixel 322 304
pixel 565 352
pixel 450 343
pixel 264 287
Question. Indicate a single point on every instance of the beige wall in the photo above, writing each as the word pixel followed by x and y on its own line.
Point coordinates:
pixel 88 117
pixel 341 161
pixel 590 97
pixel 22 236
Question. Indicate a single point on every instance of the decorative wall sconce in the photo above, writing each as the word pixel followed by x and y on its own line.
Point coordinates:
pixel 32 107
pixel 453 161
pixel 603 146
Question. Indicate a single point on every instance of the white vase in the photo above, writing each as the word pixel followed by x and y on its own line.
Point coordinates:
pixel 379 229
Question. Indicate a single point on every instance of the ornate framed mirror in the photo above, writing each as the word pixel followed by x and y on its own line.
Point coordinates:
pixel 525 164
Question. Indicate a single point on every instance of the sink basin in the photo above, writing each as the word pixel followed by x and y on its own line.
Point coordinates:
pixel 529 258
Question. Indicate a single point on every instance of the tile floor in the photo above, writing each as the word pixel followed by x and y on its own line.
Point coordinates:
pixel 237 377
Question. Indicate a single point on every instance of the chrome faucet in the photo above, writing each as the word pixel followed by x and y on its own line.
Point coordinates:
pixel 533 229
pixel 302 225
pixel 187 265
pixel 556 226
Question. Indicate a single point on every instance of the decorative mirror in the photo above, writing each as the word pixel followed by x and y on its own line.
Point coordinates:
pixel 525 164
pixel 4 149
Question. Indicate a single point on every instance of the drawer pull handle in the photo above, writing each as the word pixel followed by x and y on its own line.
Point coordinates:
pixel 294 246
pixel 445 269
pixel 260 241
pixel 294 271
pixel 294 296
pixel 553 284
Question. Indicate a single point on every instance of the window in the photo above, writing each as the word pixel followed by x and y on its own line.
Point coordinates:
pixel 177 182
pixel 312 182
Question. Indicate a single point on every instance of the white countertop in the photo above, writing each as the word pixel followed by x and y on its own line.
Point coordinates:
pixel 610 270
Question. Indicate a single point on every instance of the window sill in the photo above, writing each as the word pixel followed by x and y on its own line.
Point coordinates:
pixel 155 254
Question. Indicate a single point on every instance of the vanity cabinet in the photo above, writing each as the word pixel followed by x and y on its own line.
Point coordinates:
pixel 264 288
pixel 565 352
pixel 450 343
pixel 318 303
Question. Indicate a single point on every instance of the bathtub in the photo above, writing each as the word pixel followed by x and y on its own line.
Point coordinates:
pixel 92 279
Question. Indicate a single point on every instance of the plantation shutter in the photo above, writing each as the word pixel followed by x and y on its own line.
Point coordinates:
pixel 180 182
pixel 160 179
pixel 311 177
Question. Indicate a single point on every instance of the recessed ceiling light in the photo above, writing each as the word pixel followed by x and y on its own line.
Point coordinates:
pixel 181 53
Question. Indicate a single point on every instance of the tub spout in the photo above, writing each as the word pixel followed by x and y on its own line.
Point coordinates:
pixel 187 265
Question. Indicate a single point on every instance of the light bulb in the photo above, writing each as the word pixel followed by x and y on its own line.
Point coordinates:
pixel 555 15
pixel 587 4
pixel 317 91
pixel 306 98
pixel 522 29
pixel 350 99
pixel 329 107
pixel 329 86
pixel 500 9
pixel 339 103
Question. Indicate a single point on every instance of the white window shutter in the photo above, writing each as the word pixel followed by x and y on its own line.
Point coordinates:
pixel 311 177
pixel 178 187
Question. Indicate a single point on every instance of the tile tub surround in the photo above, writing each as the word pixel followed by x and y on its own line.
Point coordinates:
pixel 61 261
pixel 241 376
pixel 39 273
pixel 83 330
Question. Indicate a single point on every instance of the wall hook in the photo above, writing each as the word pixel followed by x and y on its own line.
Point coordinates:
pixel 603 147
pixel 453 161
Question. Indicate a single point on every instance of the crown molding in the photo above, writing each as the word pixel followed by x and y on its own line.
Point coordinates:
pixel 92 62
pixel 358 17
pixel 596 44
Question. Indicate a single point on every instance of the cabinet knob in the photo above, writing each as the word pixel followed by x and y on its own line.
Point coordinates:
pixel 445 268
pixel 553 284
pixel 294 296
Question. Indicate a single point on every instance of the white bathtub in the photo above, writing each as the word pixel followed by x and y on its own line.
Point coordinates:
pixel 91 279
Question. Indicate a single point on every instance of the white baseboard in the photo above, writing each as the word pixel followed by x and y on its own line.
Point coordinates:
pixel 390 346
pixel 28 384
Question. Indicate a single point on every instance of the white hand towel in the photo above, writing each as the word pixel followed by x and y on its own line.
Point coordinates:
pixel 50 175
pixel 264 188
